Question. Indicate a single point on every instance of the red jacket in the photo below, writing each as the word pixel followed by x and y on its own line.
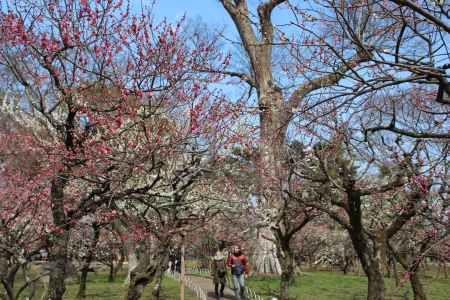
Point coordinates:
pixel 242 258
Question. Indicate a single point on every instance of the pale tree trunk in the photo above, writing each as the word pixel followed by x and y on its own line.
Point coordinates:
pixel 129 249
pixel 119 265
pixel 275 111
pixel 273 132
pixel 145 272
pixel 132 263
pixel 265 257
pixel 87 262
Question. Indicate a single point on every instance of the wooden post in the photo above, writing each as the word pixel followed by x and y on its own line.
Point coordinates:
pixel 182 275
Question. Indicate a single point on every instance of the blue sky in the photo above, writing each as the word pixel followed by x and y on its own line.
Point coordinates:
pixel 209 11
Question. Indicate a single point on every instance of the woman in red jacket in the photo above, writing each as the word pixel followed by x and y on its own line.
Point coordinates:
pixel 239 268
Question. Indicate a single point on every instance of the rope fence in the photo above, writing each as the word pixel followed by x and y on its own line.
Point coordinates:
pixel 200 293
pixel 250 293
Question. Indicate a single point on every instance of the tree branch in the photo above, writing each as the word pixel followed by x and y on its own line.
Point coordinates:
pixel 423 12
pixel 239 15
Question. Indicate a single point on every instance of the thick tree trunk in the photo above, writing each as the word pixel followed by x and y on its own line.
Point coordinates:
pixel 145 273
pixel 6 275
pixel 7 278
pixel 372 268
pixel 394 269
pixel 111 272
pixel 158 286
pixel 132 264
pixel 273 132
pixel 416 284
pixel 9 291
pixel 58 255
pixel 417 287
pixel 119 265
pixel 375 284
pixel 87 262
pixel 286 258
pixel 266 260
pixel 58 262
pixel 129 249
pixel 368 251
pixel 442 266
pixel 407 261
pixel 82 288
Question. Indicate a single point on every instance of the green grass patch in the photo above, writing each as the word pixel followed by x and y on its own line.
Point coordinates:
pixel 336 286
pixel 98 288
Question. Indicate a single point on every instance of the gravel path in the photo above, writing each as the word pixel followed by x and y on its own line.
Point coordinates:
pixel 206 284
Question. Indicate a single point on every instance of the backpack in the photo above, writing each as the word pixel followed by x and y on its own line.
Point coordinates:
pixel 238 266
pixel 221 267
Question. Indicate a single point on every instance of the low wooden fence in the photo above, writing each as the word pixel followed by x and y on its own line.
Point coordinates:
pixel 200 293
pixel 250 293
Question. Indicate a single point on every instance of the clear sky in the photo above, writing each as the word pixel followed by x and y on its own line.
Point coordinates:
pixel 210 12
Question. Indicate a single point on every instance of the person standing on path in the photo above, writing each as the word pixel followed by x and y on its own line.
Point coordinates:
pixel 239 270
pixel 219 270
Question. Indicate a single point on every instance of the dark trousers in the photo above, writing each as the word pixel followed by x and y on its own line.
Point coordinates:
pixel 216 288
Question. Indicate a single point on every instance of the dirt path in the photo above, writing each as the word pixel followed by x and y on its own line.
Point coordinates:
pixel 206 284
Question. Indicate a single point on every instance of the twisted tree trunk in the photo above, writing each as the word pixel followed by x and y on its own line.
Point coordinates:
pixel 145 272
pixel 368 251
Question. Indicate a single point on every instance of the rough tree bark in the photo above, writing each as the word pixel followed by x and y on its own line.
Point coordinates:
pixel 266 259
pixel 119 265
pixel 408 262
pixel 145 272
pixel 159 279
pixel 129 249
pixel 367 251
pixel 58 255
pixel 416 284
pixel 275 111
pixel 7 276
pixel 87 261
pixel 287 261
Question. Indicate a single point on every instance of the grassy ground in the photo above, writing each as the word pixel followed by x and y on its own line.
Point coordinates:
pixel 98 288
pixel 336 286
pixel 310 286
